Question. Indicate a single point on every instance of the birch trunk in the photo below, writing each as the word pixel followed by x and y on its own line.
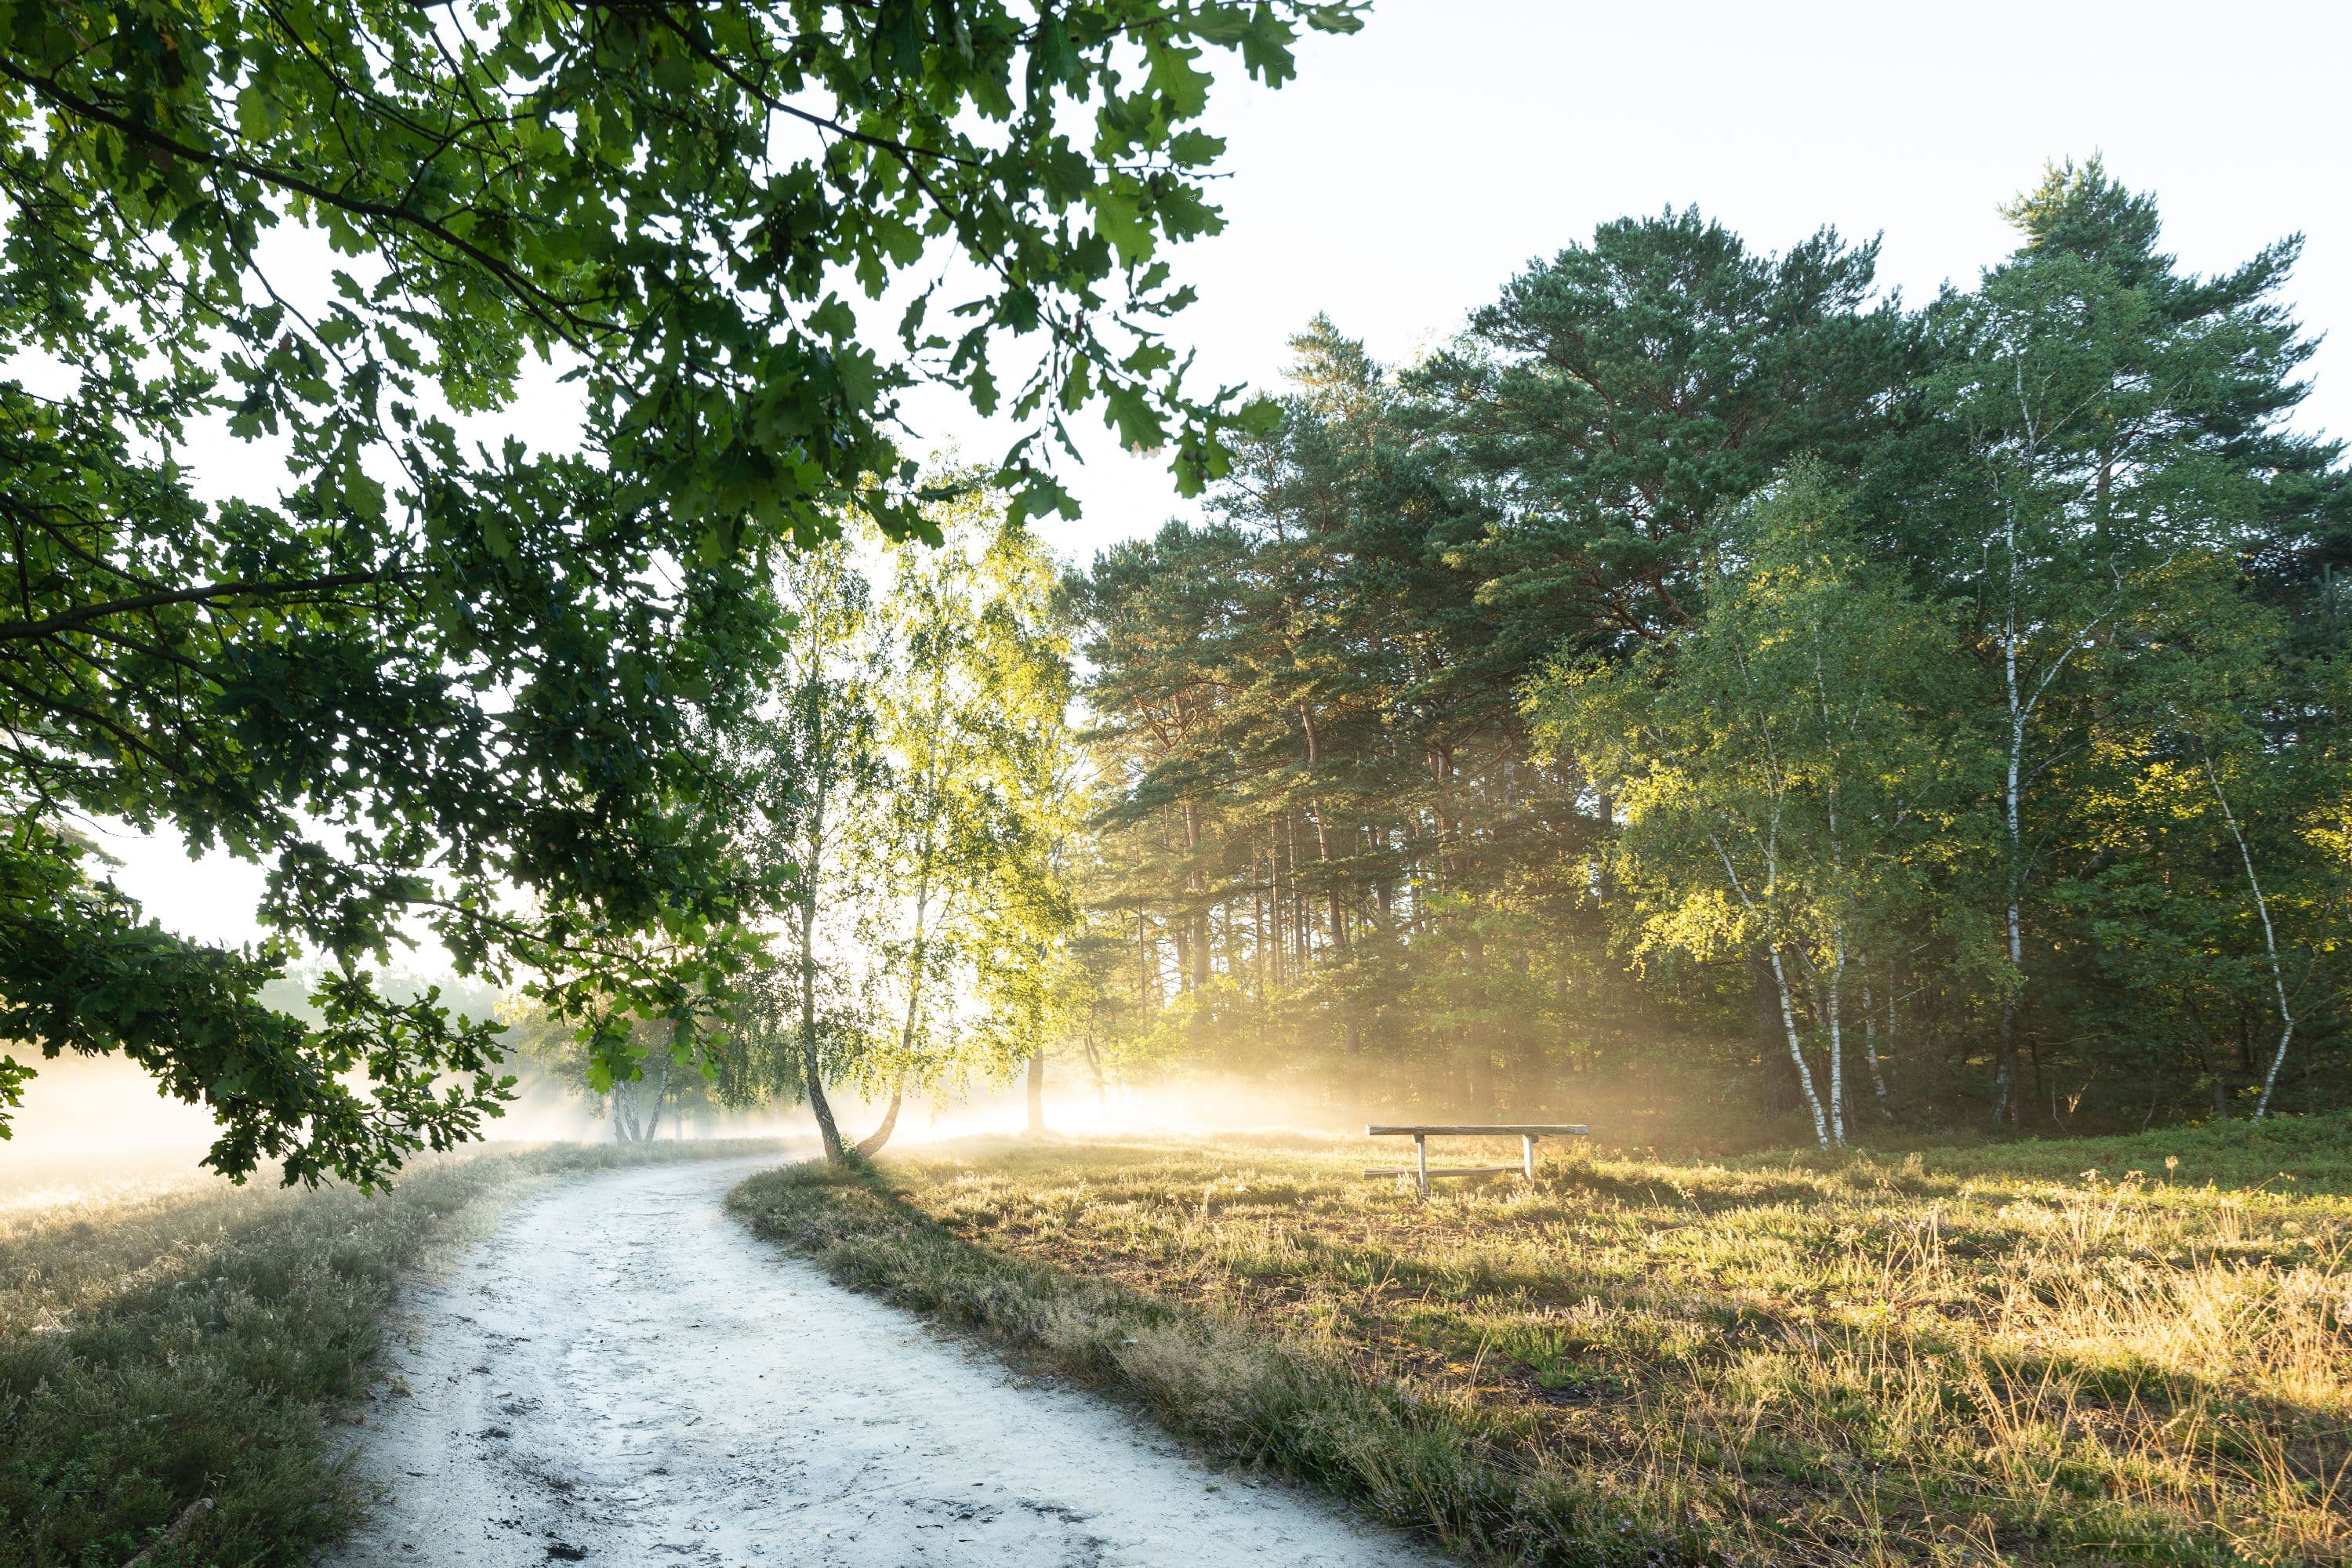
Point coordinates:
pixel 2004 1106
pixel 1788 1012
pixel 1797 1049
pixel 1870 1047
pixel 2270 944
pixel 1837 1046
pixel 871 1144
pixel 809 1075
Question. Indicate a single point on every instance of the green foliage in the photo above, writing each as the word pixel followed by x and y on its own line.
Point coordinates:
pixel 979 824
pixel 1778 769
pixel 1614 398
pixel 913 791
pixel 1707 683
pixel 411 670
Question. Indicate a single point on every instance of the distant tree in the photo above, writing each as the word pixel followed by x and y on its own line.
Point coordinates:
pixel 911 772
pixel 1615 397
pixel 670 1066
pixel 2207 905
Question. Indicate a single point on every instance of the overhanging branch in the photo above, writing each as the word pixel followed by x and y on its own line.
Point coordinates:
pixel 83 615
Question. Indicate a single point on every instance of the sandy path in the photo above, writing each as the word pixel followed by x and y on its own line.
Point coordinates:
pixel 620 1374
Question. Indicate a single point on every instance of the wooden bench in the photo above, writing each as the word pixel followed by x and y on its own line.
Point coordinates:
pixel 1525 1131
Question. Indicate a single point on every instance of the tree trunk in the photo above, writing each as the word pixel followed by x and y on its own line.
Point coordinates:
pixel 1870 1047
pixel 1258 928
pixel 872 1143
pixel 810 1075
pixel 1478 1052
pixel 1094 1066
pixel 1274 932
pixel 818 1105
pixel 1037 1092
pixel 2004 1080
pixel 1837 1048
pixel 1323 838
pixel 1478 1073
pixel 1147 983
pixel 1197 970
pixel 2007 1088
pixel 1780 991
pixel 2270 944
pixel 661 1092
pixel 1797 1051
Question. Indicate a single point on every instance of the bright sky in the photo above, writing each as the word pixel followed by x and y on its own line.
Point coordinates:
pixel 1412 168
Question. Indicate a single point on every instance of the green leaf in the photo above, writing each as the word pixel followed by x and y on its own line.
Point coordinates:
pixel 1119 217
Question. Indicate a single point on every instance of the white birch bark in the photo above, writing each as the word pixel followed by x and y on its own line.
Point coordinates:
pixel 1869 1044
pixel 2004 1086
pixel 1797 1049
pixel 1788 1013
pixel 2269 943
pixel 1837 1044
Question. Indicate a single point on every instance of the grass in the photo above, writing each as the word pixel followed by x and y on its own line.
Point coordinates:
pixel 2029 1353
pixel 157 1351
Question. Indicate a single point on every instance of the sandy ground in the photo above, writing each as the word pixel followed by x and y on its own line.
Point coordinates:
pixel 618 1372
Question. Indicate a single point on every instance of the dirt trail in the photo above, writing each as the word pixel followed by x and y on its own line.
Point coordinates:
pixel 620 1374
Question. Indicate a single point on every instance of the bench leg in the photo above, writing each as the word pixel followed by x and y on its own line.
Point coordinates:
pixel 1527 1154
pixel 1421 1160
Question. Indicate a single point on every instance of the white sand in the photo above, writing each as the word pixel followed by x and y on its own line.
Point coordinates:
pixel 620 1374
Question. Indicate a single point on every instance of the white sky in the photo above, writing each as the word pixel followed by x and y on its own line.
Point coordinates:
pixel 1409 169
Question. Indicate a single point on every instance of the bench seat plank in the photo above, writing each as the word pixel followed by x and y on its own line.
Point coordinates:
pixel 1498 1130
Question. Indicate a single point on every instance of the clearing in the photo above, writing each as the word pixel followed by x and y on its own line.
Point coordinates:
pixel 619 1374
pixel 2036 1352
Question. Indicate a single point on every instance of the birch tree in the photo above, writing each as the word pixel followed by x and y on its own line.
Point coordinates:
pixel 1774 767
pixel 816 774
pixel 963 894
pixel 2095 396
pixel 2213 787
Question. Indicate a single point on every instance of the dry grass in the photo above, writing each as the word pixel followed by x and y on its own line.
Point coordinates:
pixel 1966 1356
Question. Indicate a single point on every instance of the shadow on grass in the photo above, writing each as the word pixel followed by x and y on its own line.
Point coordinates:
pixel 1632 1479
pixel 1226 1389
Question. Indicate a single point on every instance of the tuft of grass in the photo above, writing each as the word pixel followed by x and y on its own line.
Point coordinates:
pixel 2033 1353
pixel 157 1351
